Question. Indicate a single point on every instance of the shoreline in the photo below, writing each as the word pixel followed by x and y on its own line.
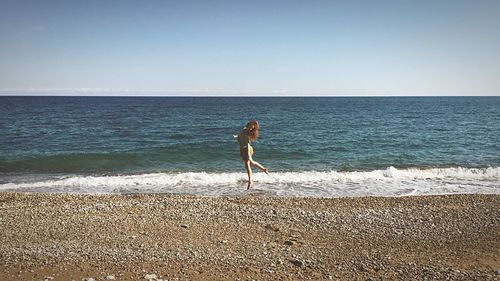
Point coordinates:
pixel 179 237
pixel 388 182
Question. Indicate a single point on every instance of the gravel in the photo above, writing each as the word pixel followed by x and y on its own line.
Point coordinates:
pixel 72 237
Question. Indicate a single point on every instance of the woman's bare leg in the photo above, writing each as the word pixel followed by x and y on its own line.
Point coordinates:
pixel 249 172
pixel 265 170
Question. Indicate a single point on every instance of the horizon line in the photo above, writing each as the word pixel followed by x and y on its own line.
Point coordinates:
pixel 90 92
pixel 245 96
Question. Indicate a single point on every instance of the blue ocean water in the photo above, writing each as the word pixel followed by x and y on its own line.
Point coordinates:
pixel 314 146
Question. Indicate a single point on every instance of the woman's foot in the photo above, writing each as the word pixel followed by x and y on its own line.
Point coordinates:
pixel 266 170
pixel 249 186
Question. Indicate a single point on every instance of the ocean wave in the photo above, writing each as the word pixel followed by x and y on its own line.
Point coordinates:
pixel 388 182
pixel 121 161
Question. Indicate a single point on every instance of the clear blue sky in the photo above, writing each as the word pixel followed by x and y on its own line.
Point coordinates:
pixel 252 47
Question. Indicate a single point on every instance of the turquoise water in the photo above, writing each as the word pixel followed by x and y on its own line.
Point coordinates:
pixel 182 145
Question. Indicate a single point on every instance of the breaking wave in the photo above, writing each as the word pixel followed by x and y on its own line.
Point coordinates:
pixel 388 182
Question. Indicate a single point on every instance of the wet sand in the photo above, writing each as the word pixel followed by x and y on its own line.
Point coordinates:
pixel 126 237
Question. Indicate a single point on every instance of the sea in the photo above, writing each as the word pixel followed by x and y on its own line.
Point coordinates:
pixel 313 146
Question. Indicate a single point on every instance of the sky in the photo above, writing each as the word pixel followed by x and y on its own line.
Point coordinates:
pixel 269 47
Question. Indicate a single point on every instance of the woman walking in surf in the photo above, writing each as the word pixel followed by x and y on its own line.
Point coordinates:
pixel 248 134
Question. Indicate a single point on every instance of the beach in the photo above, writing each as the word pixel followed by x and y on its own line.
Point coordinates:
pixel 254 237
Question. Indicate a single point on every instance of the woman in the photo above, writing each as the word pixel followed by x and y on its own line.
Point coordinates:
pixel 248 134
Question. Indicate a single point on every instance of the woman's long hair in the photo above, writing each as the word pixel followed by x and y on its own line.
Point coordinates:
pixel 252 129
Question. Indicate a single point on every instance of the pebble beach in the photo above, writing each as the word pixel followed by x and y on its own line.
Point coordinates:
pixel 166 237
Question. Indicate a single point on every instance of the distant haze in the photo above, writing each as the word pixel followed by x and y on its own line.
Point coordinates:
pixel 250 47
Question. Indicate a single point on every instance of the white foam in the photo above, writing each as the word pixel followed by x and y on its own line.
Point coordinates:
pixel 388 182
